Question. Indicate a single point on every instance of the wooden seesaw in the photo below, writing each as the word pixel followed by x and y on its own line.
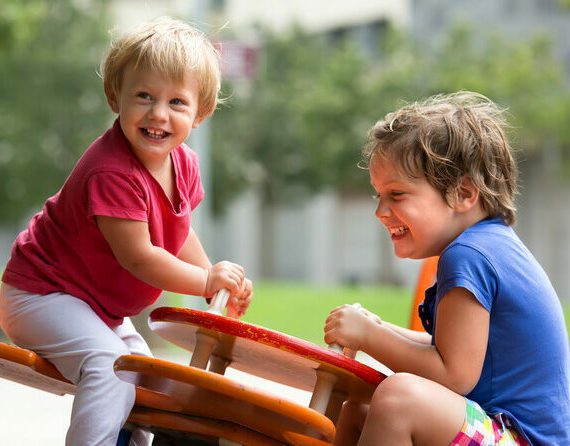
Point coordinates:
pixel 218 341
pixel 197 404
pixel 153 410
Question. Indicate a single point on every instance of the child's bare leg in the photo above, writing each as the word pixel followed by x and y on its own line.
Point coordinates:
pixel 407 409
pixel 350 423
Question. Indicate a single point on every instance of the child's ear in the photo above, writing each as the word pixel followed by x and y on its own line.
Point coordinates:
pixel 112 101
pixel 198 121
pixel 467 195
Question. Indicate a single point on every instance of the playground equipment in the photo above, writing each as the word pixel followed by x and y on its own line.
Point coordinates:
pixel 198 404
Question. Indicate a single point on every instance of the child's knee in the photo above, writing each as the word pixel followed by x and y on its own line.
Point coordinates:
pixel 397 393
pixel 99 364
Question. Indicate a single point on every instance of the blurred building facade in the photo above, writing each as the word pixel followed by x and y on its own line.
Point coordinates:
pixel 331 238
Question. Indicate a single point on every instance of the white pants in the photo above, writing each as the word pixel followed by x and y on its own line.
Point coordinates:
pixel 67 332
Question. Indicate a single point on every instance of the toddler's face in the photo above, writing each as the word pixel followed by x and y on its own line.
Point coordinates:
pixel 418 219
pixel 156 113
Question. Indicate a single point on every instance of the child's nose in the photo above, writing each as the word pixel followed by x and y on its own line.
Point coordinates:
pixel 382 210
pixel 158 111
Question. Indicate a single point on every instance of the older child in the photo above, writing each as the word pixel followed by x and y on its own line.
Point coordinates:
pixel 118 232
pixel 493 367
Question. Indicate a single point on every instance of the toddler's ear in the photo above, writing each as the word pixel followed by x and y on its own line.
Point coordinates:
pixel 198 121
pixel 112 101
pixel 467 195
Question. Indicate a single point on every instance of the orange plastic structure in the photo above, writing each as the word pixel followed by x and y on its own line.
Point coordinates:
pixel 207 394
pixel 425 280
pixel 178 424
pixel 153 410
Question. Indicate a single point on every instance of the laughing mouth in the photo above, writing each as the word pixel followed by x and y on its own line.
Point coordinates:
pixel 397 231
pixel 155 133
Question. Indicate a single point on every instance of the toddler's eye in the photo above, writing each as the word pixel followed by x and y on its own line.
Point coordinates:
pixel 143 95
pixel 177 101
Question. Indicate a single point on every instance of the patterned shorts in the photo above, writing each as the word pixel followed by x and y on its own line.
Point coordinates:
pixel 480 429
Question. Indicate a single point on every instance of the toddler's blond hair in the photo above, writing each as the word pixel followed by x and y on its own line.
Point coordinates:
pixel 170 47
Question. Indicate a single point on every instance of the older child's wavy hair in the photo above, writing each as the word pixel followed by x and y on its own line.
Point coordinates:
pixel 170 47
pixel 446 138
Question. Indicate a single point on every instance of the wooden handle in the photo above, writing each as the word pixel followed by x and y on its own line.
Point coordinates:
pixel 219 302
pixel 337 348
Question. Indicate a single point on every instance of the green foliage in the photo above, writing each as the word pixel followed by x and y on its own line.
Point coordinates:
pixel 18 21
pixel 298 128
pixel 52 101
pixel 523 76
pixel 305 120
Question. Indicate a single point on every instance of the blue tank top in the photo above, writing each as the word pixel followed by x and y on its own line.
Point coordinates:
pixel 526 372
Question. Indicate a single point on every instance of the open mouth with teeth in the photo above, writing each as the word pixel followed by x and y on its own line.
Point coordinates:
pixel 398 232
pixel 154 134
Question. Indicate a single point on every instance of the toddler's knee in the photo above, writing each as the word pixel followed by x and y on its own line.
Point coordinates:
pixel 396 393
pixel 99 364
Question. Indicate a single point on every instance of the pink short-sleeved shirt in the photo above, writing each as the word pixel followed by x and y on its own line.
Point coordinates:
pixel 62 250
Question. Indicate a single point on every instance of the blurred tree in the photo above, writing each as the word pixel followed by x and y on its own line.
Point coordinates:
pixel 52 101
pixel 523 76
pixel 302 127
pixel 18 20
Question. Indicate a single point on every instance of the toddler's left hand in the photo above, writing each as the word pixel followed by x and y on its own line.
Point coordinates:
pixel 239 303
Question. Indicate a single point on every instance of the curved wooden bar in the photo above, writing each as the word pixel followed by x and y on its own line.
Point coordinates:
pixel 28 368
pixel 154 410
pixel 207 394
pixel 176 423
pixel 302 440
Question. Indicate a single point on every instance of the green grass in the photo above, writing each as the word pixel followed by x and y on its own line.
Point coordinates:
pixel 300 310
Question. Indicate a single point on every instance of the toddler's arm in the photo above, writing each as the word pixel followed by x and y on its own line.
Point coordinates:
pixel 456 359
pixel 416 336
pixel 131 244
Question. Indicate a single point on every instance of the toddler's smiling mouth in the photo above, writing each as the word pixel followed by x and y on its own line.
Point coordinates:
pixel 397 232
pixel 155 133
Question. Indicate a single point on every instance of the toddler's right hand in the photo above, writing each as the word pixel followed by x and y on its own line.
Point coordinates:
pixel 349 325
pixel 226 275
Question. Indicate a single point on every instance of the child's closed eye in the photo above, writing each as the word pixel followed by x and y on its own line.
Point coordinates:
pixel 144 95
pixel 394 195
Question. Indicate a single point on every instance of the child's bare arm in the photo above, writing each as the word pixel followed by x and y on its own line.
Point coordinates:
pixel 130 242
pixel 193 252
pixel 455 361
pixel 413 335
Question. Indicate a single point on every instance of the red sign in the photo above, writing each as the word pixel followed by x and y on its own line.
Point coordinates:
pixel 239 59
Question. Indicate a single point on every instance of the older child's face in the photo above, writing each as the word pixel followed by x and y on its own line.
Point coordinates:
pixel 418 219
pixel 156 114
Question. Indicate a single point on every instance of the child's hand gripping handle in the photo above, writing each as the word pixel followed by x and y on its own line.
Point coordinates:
pixel 326 380
pixel 349 353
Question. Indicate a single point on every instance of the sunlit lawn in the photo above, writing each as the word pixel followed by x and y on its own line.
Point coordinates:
pixel 301 310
